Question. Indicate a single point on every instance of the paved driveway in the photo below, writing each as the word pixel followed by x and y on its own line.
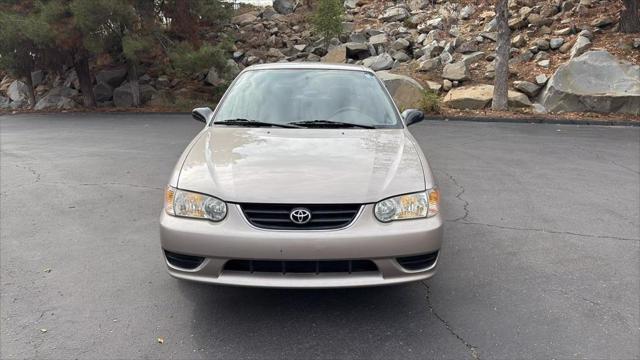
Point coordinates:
pixel 541 254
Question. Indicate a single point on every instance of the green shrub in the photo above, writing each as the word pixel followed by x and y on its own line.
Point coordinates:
pixel 327 19
pixel 187 61
pixel 430 102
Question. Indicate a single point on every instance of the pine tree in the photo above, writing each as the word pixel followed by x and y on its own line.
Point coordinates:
pixel 501 84
pixel 630 17
pixel 327 19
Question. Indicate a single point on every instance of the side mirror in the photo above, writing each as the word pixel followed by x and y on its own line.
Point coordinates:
pixel 412 116
pixel 202 114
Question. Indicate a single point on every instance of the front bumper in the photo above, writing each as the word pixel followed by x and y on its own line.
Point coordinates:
pixel 365 238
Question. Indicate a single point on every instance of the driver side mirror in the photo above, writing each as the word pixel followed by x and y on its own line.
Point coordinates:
pixel 412 116
pixel 202 114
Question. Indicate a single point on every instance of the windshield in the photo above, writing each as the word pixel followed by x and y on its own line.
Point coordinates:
pixel 284 96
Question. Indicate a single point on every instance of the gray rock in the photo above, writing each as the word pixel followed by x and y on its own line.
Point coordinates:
pixel 103 92
pixel 4 102
pixel 467 11
pixel 541 79
pixel 123 96
pixel 429 64
pixel 18 90
pixel 581 45
pixel 71 80
pixel 467 47
pixel 518 41
pixel 493 36
pixel 406 92
pixel 55 102
pixel 401 56
pixel 603 21
pixel 480 96
pixel 457 71
pixel 400 44
pixel 37 77
pixel 555 43
pixel 146 93
pixel 538 109
pixel 445 58
pixel 595 82
pixel 447 85
pixel 491 26
pixel 587 34
pixel 544 63
pixel 18 104
pixel 213 78
pixel 636 43
pixel 380 39
pixel 541 44
pixel 63 91
pixel 432 50
pixel 350 4
pixel 284 7
pixel 473 57
pixel 396 13
pixel 526 87
pixel 357 51
pixel 383 61
pixel 112 77
pixel 358 37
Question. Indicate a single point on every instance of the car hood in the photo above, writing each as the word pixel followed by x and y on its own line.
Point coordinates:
pixel 302 166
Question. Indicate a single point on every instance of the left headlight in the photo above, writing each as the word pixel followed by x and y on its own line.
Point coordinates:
pixel 194 205
pixel 411 206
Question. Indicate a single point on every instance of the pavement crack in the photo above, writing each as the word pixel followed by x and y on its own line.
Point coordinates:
pixel 459 197
pixel 33 171
pixel 473 350
pixel 546 231
pixel 105 184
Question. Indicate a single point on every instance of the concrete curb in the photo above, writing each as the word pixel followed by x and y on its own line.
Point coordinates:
pixel 523 120
pixel 535 120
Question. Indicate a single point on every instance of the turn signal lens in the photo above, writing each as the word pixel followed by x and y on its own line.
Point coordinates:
pixel 434 202
pixel 169 195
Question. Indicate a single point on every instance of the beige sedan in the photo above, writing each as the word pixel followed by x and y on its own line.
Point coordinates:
pixel 304 176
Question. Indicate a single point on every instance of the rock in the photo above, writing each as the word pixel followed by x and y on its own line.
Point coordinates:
pixel 544 63
pixel 4 102
pixel 565 31
pixel 467 11
pixel 350 4
pixel 284 7
pixel 37 77
pixel 529 88
pixel 103 92
pixel 17 91
pixel 123 96
pixel 467 47
pixel 491 26
pixel 445 58
pixel 555 43
pixel 538 109
pixel 538 20
pixel 396 13
pixel 493 36
pixel 437 23
pixel 268 13
pixel 401 56
pixel 63 91
pixel 112 77
pixel 518 41
pixel 480 96
pixel 18 104
pixel 457 71
pixel 541 44
pixel 595 82
pixel 337 54
pixel 213 78
pixel 602 21
pixel 71 79
pixel 400 44
pixel 383 61
pixel 163 82
pixel 541 79
pixel 429 64
pixel 549 10
pixel 517 23
pixel 432 50
pixel 244 19
pixel 380 39
pixel 473 57
pixel 581 45
pixel 55 102
pixel 566 47
pixel 147 93
pixel 406 92
pixel 447 85
pixel 434 86
pixel 636 43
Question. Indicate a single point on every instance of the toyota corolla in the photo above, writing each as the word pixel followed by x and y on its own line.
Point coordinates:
pixel 304 175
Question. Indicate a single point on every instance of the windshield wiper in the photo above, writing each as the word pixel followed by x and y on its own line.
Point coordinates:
pixel 329 123
pixel 247 122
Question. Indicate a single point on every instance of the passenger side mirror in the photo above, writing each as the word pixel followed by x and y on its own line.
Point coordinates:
pixel 202 114
pixel 412 116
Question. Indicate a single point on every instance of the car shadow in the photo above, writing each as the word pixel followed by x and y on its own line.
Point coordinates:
pixel 377 322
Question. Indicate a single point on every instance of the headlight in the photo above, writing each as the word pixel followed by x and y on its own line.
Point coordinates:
pixel 411 206
pixel 188 204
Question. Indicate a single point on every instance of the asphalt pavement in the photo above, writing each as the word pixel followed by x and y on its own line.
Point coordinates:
pixel 541 256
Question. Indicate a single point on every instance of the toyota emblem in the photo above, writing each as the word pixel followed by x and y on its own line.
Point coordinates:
pixel 300 216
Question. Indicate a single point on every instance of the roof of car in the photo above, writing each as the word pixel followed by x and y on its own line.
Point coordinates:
pixel 307 65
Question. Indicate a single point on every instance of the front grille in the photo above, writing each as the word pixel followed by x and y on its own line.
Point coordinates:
pixel 277 216
pixel 301 267
pixel 418 262
pixel 183 261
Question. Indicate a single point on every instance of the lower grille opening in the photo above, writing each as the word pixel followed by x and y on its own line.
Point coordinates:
pixel 418 262
pixel 183 261
pixel 301 267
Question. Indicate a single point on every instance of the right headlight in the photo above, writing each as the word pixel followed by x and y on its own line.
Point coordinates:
pixel 411 206
pixel 194 205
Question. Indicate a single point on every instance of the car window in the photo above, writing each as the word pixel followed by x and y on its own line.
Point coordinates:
pixel 290 95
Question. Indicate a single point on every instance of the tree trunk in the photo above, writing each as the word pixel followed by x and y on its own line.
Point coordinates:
pixel 630 17
pixel 133 82
pixel 32 94
pixel 501 84
pixel 81 65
